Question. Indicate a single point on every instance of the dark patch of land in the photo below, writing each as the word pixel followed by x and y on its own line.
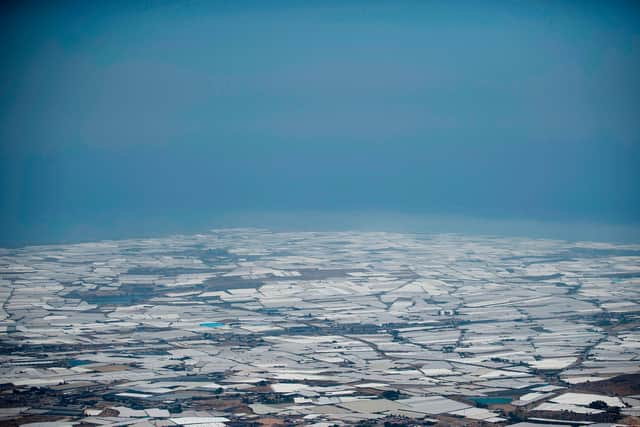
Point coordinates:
pixel 127 294
pixel 623 385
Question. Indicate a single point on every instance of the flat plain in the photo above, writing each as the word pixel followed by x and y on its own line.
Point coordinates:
pixel 243 327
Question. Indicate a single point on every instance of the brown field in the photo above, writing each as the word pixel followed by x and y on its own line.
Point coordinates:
pixel 623 385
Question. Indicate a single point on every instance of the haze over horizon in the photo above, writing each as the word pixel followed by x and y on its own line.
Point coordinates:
pixel 134 118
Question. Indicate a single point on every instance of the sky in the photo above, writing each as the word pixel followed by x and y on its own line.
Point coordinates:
pixel 133 118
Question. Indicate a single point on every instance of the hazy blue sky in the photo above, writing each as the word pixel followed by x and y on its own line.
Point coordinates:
pixel 133 117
